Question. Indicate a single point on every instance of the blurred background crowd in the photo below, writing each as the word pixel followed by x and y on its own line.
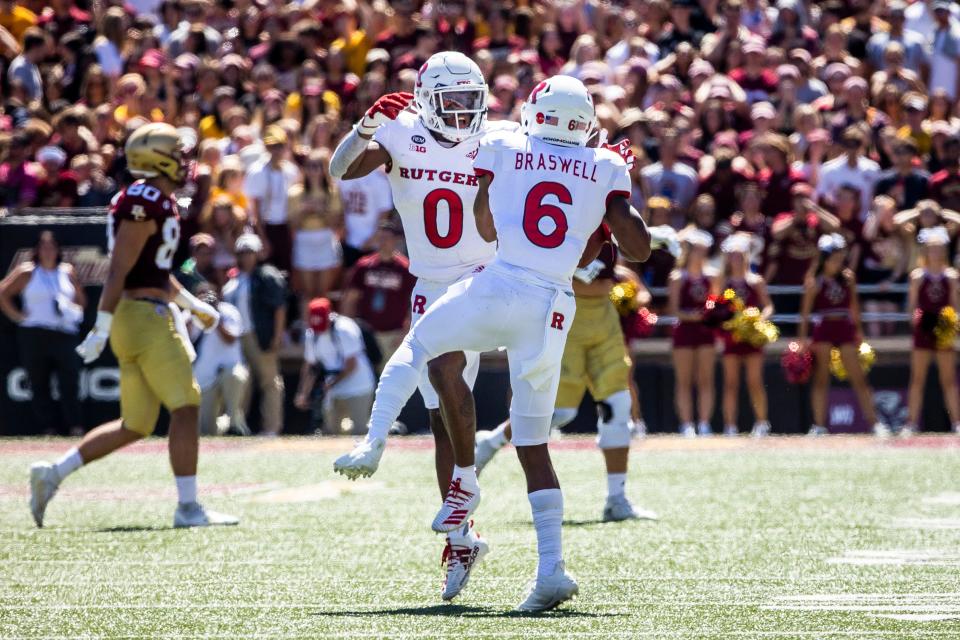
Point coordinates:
pixel 787 119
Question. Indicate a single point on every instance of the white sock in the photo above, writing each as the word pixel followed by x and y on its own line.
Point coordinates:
pixel 547 507
pixel 399 380
pixel 186 489
pixel 467 475
pixel 499 437
pixel 616 484
pixel 70 462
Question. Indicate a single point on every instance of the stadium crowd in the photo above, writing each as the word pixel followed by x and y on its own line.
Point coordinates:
pixel 788 120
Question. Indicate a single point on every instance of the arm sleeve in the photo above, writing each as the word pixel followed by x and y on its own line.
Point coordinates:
pixel 230 319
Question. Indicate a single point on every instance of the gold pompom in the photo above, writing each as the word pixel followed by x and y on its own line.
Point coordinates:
pixel 946 330
pixel 865 354
pixel 748 326
pixel 623 295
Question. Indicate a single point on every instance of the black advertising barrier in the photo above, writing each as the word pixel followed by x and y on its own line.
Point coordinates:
pixel 82 236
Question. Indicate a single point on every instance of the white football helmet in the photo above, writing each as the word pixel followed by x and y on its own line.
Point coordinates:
pixel 559 111
pixel 449 87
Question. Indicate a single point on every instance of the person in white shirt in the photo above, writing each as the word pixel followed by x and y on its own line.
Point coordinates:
pixel 851 169
pixel 221 373
pixel 920 17
pixel 945 50
pixel 267 187
pixel 335 344
pixel 366 202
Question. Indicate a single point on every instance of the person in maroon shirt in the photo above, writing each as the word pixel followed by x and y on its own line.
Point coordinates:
pixel 793 245
pixel 378 291
pixel 755 77
pixel 777 178
pixel 723 183
pixel 57 187
pixel 847 211
pixel 933 286
pixel 830 299
pixel 945 184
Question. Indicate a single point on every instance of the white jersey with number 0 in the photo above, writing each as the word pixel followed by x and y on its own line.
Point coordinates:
pixel 547 200
pixel 434 187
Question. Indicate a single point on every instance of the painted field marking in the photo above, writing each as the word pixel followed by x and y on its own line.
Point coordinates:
pixel 949 498
pixel 934 524
pixel 915 607
pixel 901 557
pixel 521 634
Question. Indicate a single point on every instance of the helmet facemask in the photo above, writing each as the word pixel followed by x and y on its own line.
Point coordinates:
pixel 456 112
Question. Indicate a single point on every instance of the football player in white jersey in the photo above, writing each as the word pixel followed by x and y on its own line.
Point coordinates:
pixel 542 195
pixel 428 153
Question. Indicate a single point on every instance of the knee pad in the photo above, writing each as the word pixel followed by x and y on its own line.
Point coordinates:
pixel 613 421
pixel 562 417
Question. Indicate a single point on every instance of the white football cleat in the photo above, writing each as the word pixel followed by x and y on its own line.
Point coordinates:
pixel 192 514
pixel 457 508
pixel 460 561
pixel 619 508
pixel 44 482
pixel 363 461
pixel 484 450
pixel 760 429
pixel 546 593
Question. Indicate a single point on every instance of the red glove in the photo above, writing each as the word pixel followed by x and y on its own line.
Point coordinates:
pixel 623 150
pixel 387 108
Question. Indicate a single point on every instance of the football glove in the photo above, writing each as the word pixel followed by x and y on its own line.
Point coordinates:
pixel 203 312
pixel 623 150
pixel 383 110
pixel 665 237
pixel 93 345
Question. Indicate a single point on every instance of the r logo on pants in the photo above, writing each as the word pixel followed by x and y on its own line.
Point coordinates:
pixel 557 322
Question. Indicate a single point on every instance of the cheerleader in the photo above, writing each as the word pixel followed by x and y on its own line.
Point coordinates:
pixel 933 286
pixel 752 290
pixel 694 353
pixel 830 294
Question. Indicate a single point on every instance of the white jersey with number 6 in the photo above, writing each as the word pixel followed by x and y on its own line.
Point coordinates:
pixel 547 200
pixel 434 187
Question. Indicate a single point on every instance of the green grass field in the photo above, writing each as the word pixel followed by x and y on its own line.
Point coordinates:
pixel 788 538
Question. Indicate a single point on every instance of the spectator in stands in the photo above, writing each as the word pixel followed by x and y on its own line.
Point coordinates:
pixel 24 70
pixel 945 184
pixel 224 222
pixel 884 263
pixel 316 217
pixel 19 183
pixel 58 185
pixel 334 345
pixel 197 272
pixel 905 183
pixel 668 177
pixel 94 188
pixel 220 372
pixel 259 292
pixel 267 187
pixel 851 168
pixel 51 310
pixel 366 201
pixel 377 291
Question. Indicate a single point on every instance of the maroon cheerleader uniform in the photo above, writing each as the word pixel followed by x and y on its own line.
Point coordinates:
pixel 693 295
pixel 746 292
pixel 933 296
pixel 832 305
